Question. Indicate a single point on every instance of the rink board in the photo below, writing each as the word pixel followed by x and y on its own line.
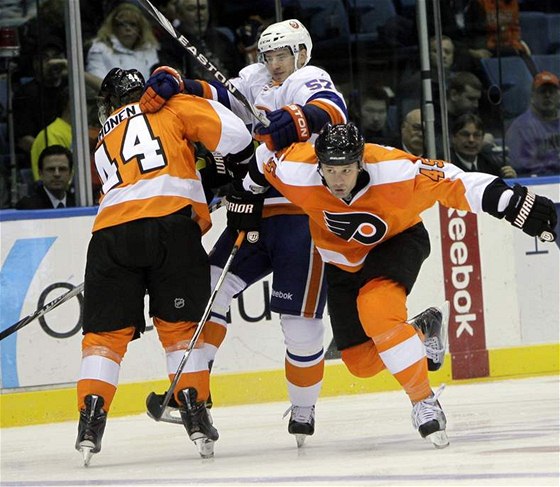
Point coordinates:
pixel 43 254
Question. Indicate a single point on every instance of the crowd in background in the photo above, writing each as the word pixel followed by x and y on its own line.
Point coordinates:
pixel 500 60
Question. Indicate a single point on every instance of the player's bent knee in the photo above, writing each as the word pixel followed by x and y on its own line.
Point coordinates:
pixel 175 335
pixel 362 360
pixel 302 336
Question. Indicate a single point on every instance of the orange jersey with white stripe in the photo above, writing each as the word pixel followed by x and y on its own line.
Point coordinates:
pixel 400 187
pixel 146 161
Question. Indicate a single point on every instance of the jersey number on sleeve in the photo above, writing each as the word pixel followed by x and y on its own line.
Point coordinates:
pixel 138 144
pixel 319 84
pixel 433 174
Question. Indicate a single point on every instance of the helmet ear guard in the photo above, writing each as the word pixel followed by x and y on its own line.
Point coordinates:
pixel 119 87
pixel 288 33
pixel 339 145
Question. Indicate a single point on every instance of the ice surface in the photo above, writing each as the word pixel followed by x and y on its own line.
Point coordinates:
pixel 501 433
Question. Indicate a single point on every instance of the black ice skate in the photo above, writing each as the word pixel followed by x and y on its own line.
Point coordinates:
pixel 428 418
pixel 198 423
pixel 171 413
pixel 91 427
pixel 301 423
pixel 433 324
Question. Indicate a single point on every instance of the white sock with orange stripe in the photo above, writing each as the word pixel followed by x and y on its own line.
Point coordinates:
pixel 305 358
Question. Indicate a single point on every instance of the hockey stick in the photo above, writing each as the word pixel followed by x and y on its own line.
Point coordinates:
pixel 55 303
pixel 202 60
pixel 42 311
pixel 156 407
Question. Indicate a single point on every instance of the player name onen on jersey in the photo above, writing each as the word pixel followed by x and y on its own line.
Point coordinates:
pixel 114 120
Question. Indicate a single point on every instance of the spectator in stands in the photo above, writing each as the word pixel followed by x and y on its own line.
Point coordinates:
pixel 92 15
pixel 533 138
pixel 463 94
pixel 55 169
pixel 192 18
pixel 410 88
pixel 247 36
pixel 467 150
pixel 492 29
pixel 47 23
pixel 125 39
pixel 373 116
pixel 412 135
pixel 58 132
pixel 35 103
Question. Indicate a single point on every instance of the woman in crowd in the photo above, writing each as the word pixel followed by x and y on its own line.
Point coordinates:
pixel 124 39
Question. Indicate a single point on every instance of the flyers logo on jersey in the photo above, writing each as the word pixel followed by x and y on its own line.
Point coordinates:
pixel 362 227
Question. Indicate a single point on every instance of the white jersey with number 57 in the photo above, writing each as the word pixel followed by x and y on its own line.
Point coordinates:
pixel 309 84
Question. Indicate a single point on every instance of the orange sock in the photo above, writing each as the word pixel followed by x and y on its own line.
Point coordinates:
pixel 382 311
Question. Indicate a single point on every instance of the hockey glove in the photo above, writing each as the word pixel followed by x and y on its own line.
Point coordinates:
pixel 244 212
pixel 287 125
pixel 161 85
pixel 535 215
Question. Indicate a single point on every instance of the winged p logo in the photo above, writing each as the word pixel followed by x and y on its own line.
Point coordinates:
pixel 362 227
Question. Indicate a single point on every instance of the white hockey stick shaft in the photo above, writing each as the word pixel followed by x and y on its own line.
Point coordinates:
pixel 202 60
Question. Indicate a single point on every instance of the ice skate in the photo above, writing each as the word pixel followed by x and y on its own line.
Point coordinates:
pixel 198 423
pixel 433 324
pixel 428 418
pixel 171 413
pixel 301 423
pixel 91 427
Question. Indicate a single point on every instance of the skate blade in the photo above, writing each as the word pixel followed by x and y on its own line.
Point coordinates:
pixel 300 439
pixel 439 439
pixel 205 447
pixel 87 452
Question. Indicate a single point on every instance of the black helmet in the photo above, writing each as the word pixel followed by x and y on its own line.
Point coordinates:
pixel 120 87
pixel 339 145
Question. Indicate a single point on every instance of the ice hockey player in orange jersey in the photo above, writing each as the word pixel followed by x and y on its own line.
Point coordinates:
pixel 364 203
pixel 147 237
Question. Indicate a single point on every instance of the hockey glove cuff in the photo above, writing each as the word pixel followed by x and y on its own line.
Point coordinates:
pixel 160 87
pixel 287 125
pixel 534 214
pixel 244 212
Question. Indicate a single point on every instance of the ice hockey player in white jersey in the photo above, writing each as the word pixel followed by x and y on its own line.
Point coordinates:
pixel 298 99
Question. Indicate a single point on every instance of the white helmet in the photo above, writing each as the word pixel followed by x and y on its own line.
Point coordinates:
pixel 289 33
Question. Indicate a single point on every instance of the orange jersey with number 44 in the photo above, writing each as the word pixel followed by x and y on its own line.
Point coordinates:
pixel 146 161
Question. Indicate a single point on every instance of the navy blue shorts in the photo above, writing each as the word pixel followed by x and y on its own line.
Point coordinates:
pixel 284 248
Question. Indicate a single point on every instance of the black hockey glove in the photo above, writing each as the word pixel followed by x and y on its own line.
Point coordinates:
pixel 244 212
pixel 534 214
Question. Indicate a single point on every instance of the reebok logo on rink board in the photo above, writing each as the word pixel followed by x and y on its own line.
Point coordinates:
pixel 363 227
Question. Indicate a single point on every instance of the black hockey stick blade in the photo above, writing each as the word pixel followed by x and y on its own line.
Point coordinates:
pixel 154 405
pixel 169 414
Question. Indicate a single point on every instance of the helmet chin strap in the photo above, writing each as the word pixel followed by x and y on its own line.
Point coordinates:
pixel 296 59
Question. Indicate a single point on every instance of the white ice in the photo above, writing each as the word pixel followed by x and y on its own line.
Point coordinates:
pixel 501 433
